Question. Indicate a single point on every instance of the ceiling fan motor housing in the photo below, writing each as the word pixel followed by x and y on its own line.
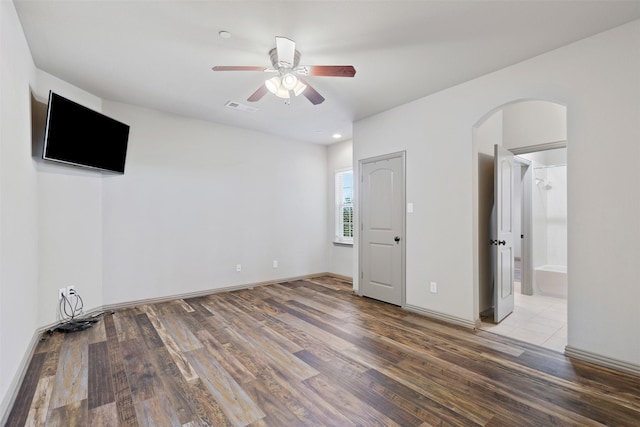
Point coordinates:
pixel 273 54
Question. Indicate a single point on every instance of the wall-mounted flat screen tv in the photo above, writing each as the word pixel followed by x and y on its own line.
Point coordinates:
pixel 79 136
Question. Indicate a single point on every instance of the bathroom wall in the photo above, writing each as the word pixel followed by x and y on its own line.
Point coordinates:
pixel 549 207
pixel 557 215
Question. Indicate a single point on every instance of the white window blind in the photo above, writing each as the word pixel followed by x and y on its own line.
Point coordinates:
pixel 344 207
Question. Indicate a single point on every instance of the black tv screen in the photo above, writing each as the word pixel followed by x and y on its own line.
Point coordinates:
pixel 79 136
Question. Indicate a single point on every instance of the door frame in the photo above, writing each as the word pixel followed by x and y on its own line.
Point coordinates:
pixel 526 227
pixel 527 201
pixel 402 155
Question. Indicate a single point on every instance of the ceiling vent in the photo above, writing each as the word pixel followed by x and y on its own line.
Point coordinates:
pixel 241 107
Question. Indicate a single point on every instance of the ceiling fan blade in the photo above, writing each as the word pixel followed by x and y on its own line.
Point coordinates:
pixel 312 95
pixel 239 68
pixel 286 49
pixel 327 70
pixel 258 94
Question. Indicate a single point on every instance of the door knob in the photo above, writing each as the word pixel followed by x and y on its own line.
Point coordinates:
pixel 396 239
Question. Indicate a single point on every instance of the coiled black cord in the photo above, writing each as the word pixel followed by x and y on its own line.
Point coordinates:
pixel 71 306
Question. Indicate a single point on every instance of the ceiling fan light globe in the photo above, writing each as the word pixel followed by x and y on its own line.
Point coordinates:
pixel 273 84
pixel 289 81
pixel 282 92
pixel 300 87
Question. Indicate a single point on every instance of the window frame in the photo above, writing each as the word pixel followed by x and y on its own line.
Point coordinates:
pixel 340 205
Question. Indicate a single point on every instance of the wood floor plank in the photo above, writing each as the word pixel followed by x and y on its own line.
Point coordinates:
pixel 156 412
pixel 49 342
pixel 185 306
pixel 270 403
pixel 40 405
pixel 234 400
pixel 172 347
pixel 226 359
pixel 279 351
pixel 143 381
pixel 332 306
pixel 103 416
pixel 96 333
pixel 277 386
pixel 321 410
pixel 256 341
pixel 27 391
pixel 349 405
pixel 239 310
pixel 126 326
pixel 320 335
pixel 355 382
pixel 308 353
pixel 51 361
pixel 149 333
pixel 71 376
pixel 99 383
pixel 208 409
pixel 122 392
pixel 432 412
pixel 73 414
pixel 189 407
pixel 182 336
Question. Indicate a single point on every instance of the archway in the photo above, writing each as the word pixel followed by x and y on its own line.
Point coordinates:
pixel 522 126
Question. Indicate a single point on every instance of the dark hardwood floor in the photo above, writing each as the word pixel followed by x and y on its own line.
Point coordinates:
pixel 307 353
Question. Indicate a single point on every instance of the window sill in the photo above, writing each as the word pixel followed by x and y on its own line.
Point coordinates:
pixel 342 244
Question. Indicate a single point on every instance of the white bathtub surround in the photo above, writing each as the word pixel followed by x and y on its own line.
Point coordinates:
pixel 550 280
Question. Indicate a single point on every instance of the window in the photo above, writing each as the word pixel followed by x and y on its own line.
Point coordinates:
pixel 344 207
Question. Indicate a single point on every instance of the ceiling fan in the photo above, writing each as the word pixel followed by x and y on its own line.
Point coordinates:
pixel 285 60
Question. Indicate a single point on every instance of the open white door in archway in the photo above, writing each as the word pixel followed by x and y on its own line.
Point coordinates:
pixel 502 240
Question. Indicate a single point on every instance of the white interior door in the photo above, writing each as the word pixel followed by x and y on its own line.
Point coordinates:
pixel 502 241
pixel 382 228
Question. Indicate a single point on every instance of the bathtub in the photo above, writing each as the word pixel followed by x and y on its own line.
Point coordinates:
pixel 551 280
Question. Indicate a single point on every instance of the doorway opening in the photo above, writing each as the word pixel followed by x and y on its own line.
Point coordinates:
pixel 535 132
pixel 540 298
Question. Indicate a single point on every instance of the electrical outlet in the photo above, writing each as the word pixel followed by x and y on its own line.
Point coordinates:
pixel 71 290
pixel 275 263
pixel 62 292
pixel 238 267
pixel 434 287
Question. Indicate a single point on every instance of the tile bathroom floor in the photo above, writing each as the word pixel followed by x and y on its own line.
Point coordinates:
pixel 537 319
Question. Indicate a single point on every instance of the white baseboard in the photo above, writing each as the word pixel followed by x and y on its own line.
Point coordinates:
pixel 601 360
pixel 444 317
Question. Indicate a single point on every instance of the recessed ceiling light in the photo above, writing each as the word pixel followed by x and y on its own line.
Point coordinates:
pixel 337 136
pixel 224 34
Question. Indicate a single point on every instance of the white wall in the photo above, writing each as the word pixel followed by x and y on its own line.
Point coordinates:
pixel 599 80
pixel 340 257
pixel 198 198
pixel 69 218
pixel 18 204
pixel 534 122
pixel 485 137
